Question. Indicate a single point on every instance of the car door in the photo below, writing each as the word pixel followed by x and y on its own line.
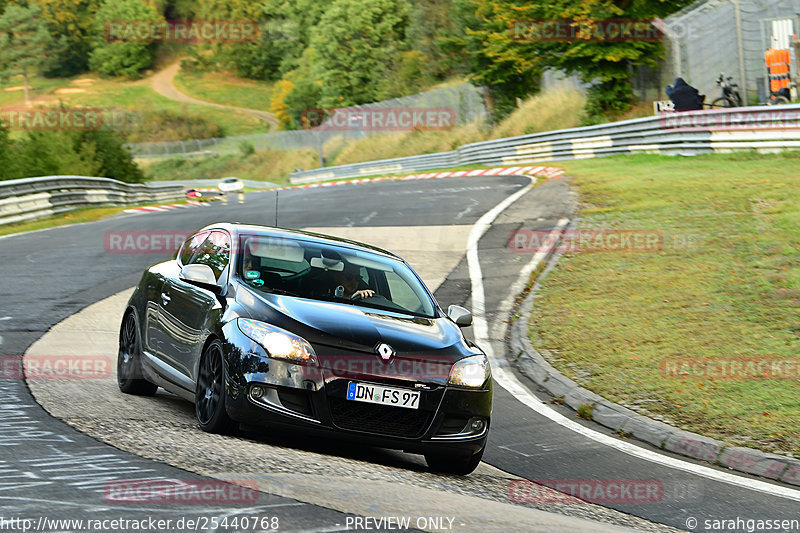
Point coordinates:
pixel 188 312
pixel 153 290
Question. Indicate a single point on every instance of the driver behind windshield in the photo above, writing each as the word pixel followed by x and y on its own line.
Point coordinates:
pixel 349 284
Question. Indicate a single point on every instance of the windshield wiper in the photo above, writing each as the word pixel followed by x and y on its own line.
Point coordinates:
pixel 279 291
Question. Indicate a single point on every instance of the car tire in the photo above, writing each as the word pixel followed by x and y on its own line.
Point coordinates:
pixel 209 400
pixel 454 464
pixel 130 378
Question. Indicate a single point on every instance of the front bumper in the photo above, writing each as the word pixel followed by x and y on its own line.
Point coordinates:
pixel 266 392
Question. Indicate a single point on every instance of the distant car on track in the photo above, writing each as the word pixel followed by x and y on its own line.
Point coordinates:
pixel 231 185
pixel 206 193
pixel 288 329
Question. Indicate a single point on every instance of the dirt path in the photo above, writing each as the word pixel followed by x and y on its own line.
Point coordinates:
pixel 161 82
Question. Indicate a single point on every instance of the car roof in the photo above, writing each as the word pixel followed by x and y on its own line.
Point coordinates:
pixel 237 229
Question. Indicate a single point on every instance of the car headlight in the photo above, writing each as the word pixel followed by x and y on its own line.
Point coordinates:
pixel 279 343
pixel 472 371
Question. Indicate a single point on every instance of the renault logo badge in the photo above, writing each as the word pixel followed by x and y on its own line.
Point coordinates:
pixel 385 351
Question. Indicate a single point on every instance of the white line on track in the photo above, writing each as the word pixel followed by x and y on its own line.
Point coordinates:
pixel 509 381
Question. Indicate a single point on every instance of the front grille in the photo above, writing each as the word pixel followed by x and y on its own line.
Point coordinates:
pixel 386 420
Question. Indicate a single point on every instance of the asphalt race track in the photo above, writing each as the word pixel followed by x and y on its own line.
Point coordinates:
pixel 47 468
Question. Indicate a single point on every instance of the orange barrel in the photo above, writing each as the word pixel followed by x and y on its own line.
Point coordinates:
pixel 777 61
pixel 783 68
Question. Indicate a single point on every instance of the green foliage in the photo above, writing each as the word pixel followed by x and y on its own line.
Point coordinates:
pixel 70 23
pixel 25 42
pixel 246 148
pixel 123 58
pixel 165 125
pixel 429 22
pixel 409 75
pixel 113 159
pixel 511 67
pixel 83 153
pixel 306 91
pixel 49 153
pixel 286 32
pixel 356 43
pixel 4 150
pixel 586 410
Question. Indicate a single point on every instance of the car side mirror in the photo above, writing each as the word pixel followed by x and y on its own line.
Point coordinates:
pixel 201 275
pixel 460 316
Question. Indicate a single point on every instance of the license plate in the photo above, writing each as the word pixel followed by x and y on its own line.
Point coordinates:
pixel 361 392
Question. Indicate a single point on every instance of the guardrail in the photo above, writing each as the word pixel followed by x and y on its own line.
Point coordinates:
pixel 31 198
pixel 688 133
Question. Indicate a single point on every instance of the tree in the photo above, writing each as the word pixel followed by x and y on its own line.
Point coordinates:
pixel 5 152
pixel 128 57
pixel 111 157
pixel 288 28
pixel 25 43
pixel 509 63
pixel 49 153
pixel 507 68
pixel 70 23
pixel 277 103
pixel 306 91
pixel 356 42
pixel 430 21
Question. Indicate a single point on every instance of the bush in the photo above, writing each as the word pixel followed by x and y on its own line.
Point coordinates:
pixel 113 159
pixel 122 58
pixel 4 152
pixel 83 153
pixel 246 148
pixel 48 153
pixel 164 125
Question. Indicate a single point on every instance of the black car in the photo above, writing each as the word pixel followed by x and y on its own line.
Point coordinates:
pixel 266 326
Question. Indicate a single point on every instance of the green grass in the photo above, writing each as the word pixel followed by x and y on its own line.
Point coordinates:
pixel 221 88
pixel 141 97
pixel 39 86
pixel 268 165
pixel 128 95
pixel 726 284
pixel 76 216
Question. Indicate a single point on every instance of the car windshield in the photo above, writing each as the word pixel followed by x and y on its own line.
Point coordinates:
pixel 318 271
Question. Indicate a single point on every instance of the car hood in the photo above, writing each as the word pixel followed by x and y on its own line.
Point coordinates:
pixel 341 326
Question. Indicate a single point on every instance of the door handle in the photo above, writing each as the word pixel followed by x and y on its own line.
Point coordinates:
pixel 165 299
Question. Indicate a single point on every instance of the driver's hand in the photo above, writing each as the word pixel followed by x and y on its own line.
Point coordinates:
pixel 363 293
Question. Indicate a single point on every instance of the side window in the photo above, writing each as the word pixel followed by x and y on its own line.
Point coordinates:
pixel 215 252
pixel 190 246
